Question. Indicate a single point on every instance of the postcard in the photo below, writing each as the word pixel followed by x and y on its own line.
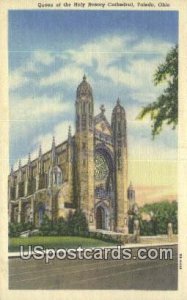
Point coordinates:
pixel 94 149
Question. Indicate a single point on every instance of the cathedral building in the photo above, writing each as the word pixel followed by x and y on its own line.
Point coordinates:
pixel 88 171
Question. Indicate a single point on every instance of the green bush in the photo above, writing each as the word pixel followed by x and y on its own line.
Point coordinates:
pixel 62 227
pixel 46 227
pixel 78 224
pixel 75 225
pixel 146 228
pixel 16 228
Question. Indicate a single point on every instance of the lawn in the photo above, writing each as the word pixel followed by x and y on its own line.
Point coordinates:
pixel 55 242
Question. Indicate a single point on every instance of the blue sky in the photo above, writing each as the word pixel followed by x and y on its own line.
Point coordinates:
pixel 49 51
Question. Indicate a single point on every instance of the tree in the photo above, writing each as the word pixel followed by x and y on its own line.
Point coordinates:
pixel 161 214
pixel 46 227
pixel 77 224
pixel 165 109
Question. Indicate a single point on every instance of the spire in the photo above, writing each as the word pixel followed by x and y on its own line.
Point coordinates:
pixel 69 136
pixel 53 152
pixel 40 151
pixel 102 108
pixel 11 170
pixel 118 101
pixel 84 77
pixel 40 159
pixel 69 132
pixel 19 164
pixel 118 124
pixel 29 158
pixel 53 143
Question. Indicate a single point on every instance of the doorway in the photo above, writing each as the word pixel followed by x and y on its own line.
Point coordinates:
pixel 100 218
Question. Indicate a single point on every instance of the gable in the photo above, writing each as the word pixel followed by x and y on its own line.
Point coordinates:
pixel 102 125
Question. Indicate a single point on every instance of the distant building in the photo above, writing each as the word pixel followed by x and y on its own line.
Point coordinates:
pixel 133 208
pixel 88 171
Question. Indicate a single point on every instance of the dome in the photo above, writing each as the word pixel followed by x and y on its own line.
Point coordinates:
pixel 84 89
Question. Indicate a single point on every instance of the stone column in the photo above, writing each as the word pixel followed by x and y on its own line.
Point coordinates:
pixel 32 211
pixel 10 212
pixel 126 229
pixel 136 231
pixel 170 231
pixel 17 190
pixel 37 182
pixel 26 188
pixel 19 211
pixel 111 220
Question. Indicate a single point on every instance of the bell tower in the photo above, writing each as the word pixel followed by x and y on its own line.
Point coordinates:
pixel 119 136
pixel 84 142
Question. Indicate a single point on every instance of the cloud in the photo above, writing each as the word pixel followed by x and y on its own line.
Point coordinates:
pixel 30 116
pixel 38 108
pixel 151 46
pixel 17 79
pixel 137 76
pixel 142 148
pixel 69 75
pixel 108 47
pixel 60 132
pixel 115 57
pixel 121 62
pixel 43 57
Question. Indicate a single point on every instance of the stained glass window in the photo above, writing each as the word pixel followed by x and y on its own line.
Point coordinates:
pixel 101 167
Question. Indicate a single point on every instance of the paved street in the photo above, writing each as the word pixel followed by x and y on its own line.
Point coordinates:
pixel 89 274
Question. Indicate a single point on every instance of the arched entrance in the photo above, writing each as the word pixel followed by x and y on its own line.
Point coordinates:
pixel 100 218
pixel 104 187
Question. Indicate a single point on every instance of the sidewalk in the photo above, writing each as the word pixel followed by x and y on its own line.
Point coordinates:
pixel 138 245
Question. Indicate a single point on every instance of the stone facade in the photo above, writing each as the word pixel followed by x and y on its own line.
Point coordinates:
pixel 89 171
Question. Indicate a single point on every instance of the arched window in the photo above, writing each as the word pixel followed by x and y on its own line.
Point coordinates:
pixel 41 212
pixel 46 179
pixel 55 176
pixel 84 107
pixel 90 108
pixel 119 128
